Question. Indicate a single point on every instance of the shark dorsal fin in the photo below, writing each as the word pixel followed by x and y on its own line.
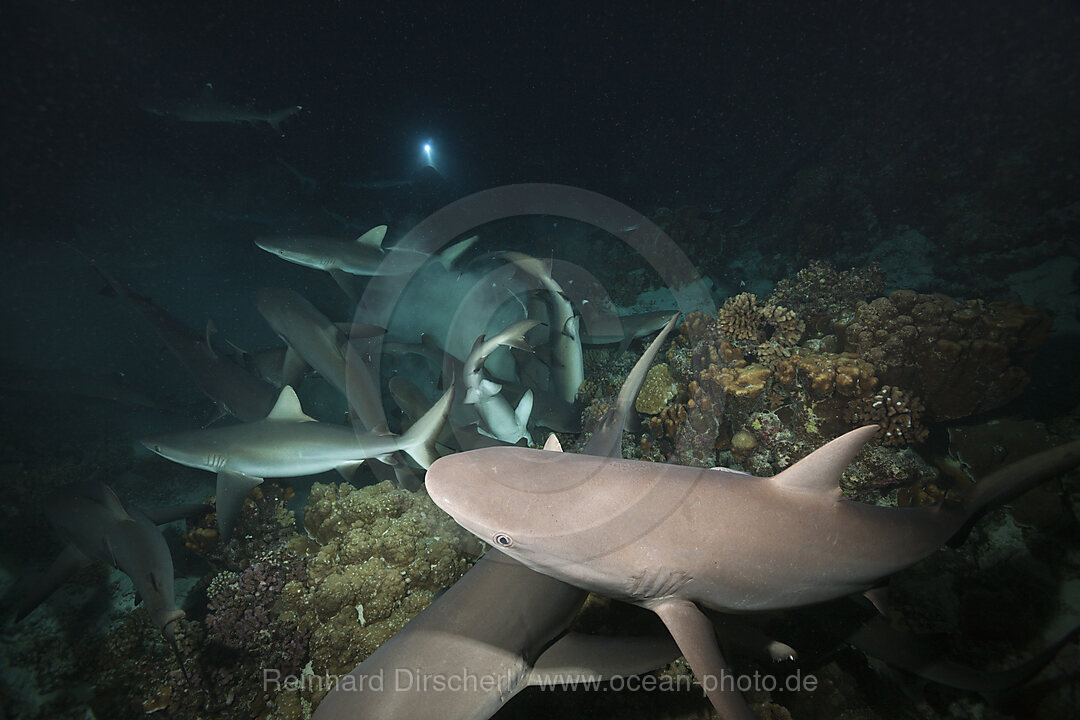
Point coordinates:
pixel 820 470
pixel 553 443
pixel 373 238
pixel 287 408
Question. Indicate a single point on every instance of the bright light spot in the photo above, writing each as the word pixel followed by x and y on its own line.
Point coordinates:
pixel 428 154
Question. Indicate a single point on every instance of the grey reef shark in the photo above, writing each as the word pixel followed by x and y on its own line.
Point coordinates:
pixel 502 622
pixel 365 256
pixel 97 527
pixel 207 108
pixel 288 443
pixel 498 418
pixel 567 362
pixel 234 390
pixel 677 539
pixel 313 340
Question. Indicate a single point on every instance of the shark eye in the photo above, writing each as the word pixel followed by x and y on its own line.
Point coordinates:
pixel 503 540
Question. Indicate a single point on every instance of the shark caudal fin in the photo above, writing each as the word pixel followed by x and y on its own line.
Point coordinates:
pixel 419 440
pixel 1003 485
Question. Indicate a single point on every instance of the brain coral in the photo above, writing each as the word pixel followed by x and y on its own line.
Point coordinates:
pixel 382 555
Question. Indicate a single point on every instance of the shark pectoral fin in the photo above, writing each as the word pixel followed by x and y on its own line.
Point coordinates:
pixel 348 470
pixel 879 597
pixel 570 327
pixel 408 478
pixel 624 344
pixel 70 560
pixel 287 408
pixel 596 657
pixel 489 389
pixel 820 470
pixel 696 639
pixel 211 329
pixel 293 368
pixel 346 282
pixel 220 411
pixel 552 443
pixel 232 490
pixel 112 504
pixel 524 410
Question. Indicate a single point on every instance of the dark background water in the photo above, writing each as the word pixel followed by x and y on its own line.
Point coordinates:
pixel 689 103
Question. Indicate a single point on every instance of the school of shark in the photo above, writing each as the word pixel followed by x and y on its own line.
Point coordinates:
pixel 706 549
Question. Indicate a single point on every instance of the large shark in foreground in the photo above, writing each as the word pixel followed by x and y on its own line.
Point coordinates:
pixel 671 538
pixel 501 622
pixel 288 443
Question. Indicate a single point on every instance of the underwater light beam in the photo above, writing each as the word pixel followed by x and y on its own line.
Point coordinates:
pixel 428 155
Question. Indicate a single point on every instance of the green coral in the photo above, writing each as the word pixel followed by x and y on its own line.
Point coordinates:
pixel 658 389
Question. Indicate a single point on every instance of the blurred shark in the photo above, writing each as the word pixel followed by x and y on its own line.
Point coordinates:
pixel 364 256
pixel 71 381
pixel 501 621
pixel 661 536
pixel 288 443
pixel 567 363
pixel 96 526
pixel 208 109
pixel 499 420
pixel 324 346
pixel 622 329
pixel 235 391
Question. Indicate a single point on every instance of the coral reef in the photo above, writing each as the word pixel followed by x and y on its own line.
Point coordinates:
pixel 821 295
pixel 961 358
pixel 896 412
pixel 658 388
pixel 263 525
pixel 377 557
pixel 243 613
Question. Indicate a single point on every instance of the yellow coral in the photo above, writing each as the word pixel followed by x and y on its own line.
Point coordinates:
pixel 383 553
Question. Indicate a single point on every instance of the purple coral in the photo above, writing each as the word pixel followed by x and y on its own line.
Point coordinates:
pixel 241 613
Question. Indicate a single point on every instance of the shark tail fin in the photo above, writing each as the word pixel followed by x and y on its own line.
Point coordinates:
pixel 277 117
pixel 1003 485
pixel 419 440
